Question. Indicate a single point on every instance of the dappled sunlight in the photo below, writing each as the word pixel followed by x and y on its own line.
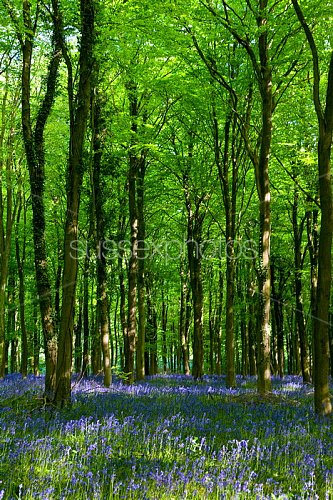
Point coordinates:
pixel 165 437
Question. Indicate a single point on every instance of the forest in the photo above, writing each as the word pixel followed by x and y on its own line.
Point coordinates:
pixel 166 221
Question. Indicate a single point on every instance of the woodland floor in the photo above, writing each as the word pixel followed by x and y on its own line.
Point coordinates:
pixel 167 438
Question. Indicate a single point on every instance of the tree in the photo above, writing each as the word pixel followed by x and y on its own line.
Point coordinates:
pixel 33 138
pixel 79 111
pixel 324 113
pixel 98 197
pixel 8 203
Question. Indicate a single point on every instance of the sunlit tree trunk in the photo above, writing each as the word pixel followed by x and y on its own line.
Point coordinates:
pixel 34 150
pixel 322 401
pixel 78 125
pixel 263 187
pixel 7 216
pixel 131 330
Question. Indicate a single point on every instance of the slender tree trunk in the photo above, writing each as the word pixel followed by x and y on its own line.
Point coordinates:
pixel 211 329
pixel 34 150
pixel 102 298
pixel 195 218
pixel 140 351
pixel 36 340
pixel 20 260
pixel 278 315
pixel 183 333
pixel 11 322
pixel 151 364
pixel 218 325
pixel 262 177
pixel 121 275
pixel 74 180
pixel 303 341
pixel 7 217
pixel 131 333
pixel 78 340
pixel 132 273
pixel 197 296
pixel 322 401
pixel 312 233
pixel 164 331
pixel 251 304
pixel 85 313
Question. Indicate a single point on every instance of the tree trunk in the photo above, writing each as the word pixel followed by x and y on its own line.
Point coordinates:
pixel 6 222
pixel 322 401
pixel 183 332
pixel 211 329
pixel 151 364
pixel 218 324
pixel 164 331
pixel 11 322
pixel 78 127
pixel 195 218
pixel 133 219
pixel 102 298
pixel 132 273
pixel 303 341
pixel 312 233
pixel 278 305
pixel 121 274
pixel 78 340
pixel 34 150
pixel 194 258
pixel 262 179
pixel 85 314
pixel 20 267
pixel 140 351
pixel 36 339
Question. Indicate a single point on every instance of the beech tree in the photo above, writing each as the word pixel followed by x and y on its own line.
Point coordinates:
pixel 324 111
pixel 78 111
pixel 33 137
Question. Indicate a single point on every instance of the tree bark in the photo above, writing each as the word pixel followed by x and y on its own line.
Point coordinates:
pixel 278 305
pixel 183 332
pixel 303 341
pixel 34 150
pixel 78 121
pixel 7 217
pixel 140 352
pixel 20 260
pixel 78 339
pixel 322 401
pixel 229 200
pixel 122 290
pixel 263 187
pixel 101 271
pixel 164 331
